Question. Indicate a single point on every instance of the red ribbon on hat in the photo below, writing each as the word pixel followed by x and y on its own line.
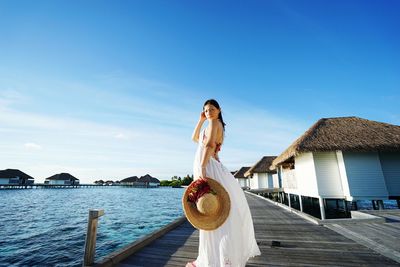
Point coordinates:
pixel 197 189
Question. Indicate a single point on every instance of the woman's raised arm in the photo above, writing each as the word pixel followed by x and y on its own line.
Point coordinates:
pixel 196 132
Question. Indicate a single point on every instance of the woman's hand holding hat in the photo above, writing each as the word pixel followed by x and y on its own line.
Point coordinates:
pixel 206 203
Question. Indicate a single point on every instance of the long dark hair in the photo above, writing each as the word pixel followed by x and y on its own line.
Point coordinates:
pixel 215 104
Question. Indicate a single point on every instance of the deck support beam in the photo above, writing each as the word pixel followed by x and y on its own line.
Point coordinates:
pixel 322 208
pixel 380 205
pixel 301 203
pixel 354 205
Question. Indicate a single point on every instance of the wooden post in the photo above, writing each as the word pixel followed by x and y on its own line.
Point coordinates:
pixel 90 243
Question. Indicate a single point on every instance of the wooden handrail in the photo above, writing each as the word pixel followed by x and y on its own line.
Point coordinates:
pixel 90 243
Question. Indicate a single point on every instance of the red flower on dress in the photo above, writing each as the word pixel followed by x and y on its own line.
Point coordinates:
pixel 197 189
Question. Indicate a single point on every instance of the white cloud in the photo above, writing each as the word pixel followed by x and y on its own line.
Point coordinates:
pixel 32 146
pixel 9 96
pixel 155 129
pixel 121 136
pixel 92 150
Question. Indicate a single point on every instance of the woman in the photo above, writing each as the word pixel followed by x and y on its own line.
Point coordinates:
pixel 233 243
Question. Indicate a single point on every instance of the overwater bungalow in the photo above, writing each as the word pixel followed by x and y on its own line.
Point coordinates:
pixel 15 177
pixel 339 161
pixel 260 175
pixel 148 181
pixel 99 182
pixel 130 180
pixel 62 179
pixel 241 178
pixel 109 182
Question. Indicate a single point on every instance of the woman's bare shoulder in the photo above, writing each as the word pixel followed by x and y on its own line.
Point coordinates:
pixel 216 124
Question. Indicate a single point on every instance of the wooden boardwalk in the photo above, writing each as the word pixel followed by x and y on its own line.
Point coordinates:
pixel 302 243
pixel 381 237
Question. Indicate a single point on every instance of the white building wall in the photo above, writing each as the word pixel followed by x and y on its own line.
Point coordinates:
pixel 289 180
pixel 365 176
pixel 343 175
pixel 58 182
pixel 254 181
pixel 390 162
pixel 262 180
pixel 328 175
pixel 305 174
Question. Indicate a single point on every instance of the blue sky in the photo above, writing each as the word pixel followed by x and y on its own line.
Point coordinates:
pixel 110 89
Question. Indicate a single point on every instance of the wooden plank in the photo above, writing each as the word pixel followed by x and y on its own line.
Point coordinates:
pixel 302 243
pixel 122 254
pixel 381 237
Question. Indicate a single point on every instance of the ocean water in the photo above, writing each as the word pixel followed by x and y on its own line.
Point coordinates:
pixel 47 227
pixel 367 204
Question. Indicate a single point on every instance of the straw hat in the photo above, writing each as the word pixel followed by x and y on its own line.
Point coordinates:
pixel 206 211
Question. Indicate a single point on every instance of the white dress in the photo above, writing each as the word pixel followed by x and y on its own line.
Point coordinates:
pixel 233 243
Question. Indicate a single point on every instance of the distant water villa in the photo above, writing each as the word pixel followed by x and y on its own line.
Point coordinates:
pixel 261 176
pixel 144 181
pixel 13 178
pixel 62 179
pixel 241 178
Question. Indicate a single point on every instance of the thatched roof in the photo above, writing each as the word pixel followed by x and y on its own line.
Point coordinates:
pixel 130 179
pixel 262 166
pixel 345 134
pixel 13 173
pixel 240 172
pixel 63 176
pixel 148 178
